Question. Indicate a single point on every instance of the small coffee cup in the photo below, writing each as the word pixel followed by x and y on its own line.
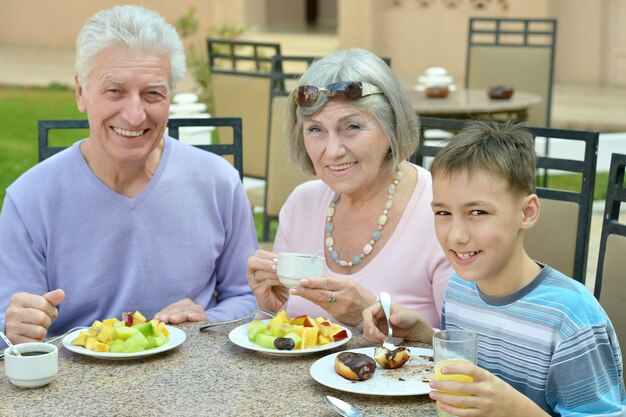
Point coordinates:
pixel 292 267
pixel 37 366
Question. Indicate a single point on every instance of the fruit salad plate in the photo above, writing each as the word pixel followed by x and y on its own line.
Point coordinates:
pixel 239 336
pixel 410 379
pixel 176 337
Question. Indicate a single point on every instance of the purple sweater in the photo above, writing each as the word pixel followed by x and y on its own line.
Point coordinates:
pixel 188 234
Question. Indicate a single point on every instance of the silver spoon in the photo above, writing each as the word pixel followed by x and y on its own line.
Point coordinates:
pixel 8 342
pixel 344 409
pixel 385 302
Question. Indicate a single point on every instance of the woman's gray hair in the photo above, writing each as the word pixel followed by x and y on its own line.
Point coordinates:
pixel 130 27
pixel 392 109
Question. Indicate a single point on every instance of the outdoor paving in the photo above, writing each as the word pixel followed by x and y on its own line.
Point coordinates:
pixel 575 105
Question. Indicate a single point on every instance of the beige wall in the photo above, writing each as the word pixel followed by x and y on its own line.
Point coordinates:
pixel 415 34
pixel 56 23
pixel 419 34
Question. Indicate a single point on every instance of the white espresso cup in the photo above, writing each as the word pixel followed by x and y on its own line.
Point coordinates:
pixel 292 267
pixel 37 366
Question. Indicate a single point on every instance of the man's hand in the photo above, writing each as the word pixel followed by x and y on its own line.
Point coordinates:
pixel 182 311
pixel 29 316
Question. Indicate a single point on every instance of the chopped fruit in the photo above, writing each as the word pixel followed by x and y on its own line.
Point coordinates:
pixel 138 318
pixel 296 339
pixel 305 321
pixel 80 340
pixel 340 335
pixel 309 337
pixel 135 343
pixel 101 347
pixel 106 333
pixel 297 330
pixel 322 340
pixel 323 321
pixel 305 331
pixel 117 346
pixel 145 328
pixel 90 343
pixel 127 318
pixel 265 340
pixel 110 322
pixel 131 334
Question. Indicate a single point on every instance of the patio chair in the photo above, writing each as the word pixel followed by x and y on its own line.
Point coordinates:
pixel 232 150
pixel 610 287
pixel 561 236
pixel 240 74
pixel 282 176
pixel 516 52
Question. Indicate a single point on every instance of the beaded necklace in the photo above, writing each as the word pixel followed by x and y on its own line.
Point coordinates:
pixel 376 234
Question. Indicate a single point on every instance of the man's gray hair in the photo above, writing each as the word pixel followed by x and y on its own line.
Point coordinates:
pixel 134 28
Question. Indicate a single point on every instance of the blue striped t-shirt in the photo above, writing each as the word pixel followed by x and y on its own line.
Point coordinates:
pixel 550 340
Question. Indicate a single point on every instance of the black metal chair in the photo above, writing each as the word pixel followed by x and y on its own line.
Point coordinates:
pixel 516 52
pixel 174 125
pixel 610 286
pixel 561 236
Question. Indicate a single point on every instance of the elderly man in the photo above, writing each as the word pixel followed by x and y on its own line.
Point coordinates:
pixel 127 219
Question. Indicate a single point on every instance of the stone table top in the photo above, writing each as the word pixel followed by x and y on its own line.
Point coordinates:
pixel 205 376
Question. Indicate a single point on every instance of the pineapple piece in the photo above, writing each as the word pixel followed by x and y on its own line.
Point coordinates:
pixel 80 340
pixel 110 322
pixel 106 333
pixel 138 318
pixel 322 340
pixel 97 324
pixel 163 329
pixel 90 343
pixel 101 347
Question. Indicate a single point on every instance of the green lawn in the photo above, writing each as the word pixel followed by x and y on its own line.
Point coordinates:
pixel 21 108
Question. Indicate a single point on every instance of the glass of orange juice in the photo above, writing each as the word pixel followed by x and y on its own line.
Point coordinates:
pixel 453 346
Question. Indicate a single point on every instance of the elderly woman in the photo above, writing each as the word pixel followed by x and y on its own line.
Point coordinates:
pixel 350 124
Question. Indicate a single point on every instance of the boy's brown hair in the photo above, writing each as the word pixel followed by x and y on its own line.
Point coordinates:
pixel 504 150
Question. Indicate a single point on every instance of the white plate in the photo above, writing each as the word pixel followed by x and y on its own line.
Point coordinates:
pixel 176 337
pixel 239 336
pixel 406 380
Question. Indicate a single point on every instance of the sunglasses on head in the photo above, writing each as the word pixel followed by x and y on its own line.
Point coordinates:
pixel 307 95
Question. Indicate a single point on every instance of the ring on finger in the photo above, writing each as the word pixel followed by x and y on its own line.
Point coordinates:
pixel 332 298
pixel 254 278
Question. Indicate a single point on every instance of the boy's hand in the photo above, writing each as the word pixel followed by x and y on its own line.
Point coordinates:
pixel 487 396
pixel 406 323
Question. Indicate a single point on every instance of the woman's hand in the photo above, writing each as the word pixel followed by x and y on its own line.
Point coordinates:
pixel 343 299
pixel 29 316
pixel 406 323
pixel 487 396
pixel 269 292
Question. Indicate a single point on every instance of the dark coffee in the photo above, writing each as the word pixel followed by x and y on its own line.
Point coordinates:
pixel 34 353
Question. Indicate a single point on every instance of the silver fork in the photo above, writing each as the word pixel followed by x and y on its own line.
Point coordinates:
pixel 73 329
pixel 269 313
pixel 385 302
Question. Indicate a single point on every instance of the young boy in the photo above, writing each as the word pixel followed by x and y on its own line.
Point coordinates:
pixel 545 345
